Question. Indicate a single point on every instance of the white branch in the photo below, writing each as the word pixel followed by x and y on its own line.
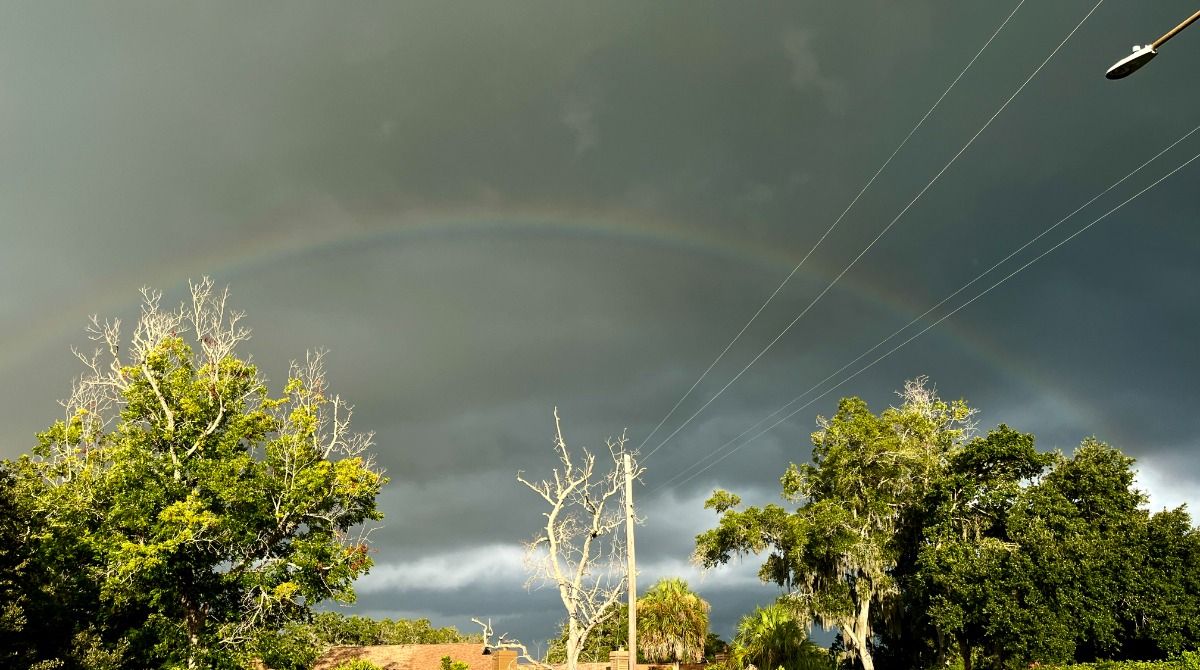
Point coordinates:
pixel 579 549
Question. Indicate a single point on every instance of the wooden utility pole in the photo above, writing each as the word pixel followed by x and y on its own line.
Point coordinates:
pixel 632 568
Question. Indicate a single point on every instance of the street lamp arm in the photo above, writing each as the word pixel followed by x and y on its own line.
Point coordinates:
pixel 1175 31
pixel 1142 55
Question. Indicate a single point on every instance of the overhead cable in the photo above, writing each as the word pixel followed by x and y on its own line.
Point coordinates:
pixel 881 233
pixel 828 230
pixel 924 330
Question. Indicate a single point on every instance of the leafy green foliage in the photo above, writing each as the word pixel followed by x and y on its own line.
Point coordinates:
pixel 1024 557
pixel 1166 612
pixel 181 510
pixel 334 628
pixel 672 623
pixel 672 627
pixel 928 550
pixel 836 554
pixel 1188 660
pixel 772 637
pixel 611 633
pixel 448 664
pixel 972 580
pixel 356 664
pixel 298 644
pixel 294 646
pixel 1075 526
pixel 14 567
pixel 714 646
pixel 1019 563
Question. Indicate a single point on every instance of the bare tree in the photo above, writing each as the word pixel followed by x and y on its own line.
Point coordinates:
pixel 579 550
pixel 505 642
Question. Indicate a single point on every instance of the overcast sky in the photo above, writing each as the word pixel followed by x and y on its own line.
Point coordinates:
pixel 485 210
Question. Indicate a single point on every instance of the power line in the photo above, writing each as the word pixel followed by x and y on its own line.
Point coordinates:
pixel 872 243
pixel 943 301
pixel 932 325
pixel 821 239
pixel 829 230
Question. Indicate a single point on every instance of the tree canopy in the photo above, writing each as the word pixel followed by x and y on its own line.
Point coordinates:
pixel 920 543
pixel 181 510
pixel 836 553
pixel 611 633
pixel 672 626
pixel 773 637
pixel 334 628
pixel 14 569
pixel 672 623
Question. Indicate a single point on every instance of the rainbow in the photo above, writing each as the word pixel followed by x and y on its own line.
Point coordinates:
pixel 284 244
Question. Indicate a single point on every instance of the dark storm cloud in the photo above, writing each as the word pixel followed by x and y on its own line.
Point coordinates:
pixel 143 144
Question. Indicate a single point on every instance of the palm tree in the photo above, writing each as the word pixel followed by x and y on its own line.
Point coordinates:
pixel 771 637
pixel 672 623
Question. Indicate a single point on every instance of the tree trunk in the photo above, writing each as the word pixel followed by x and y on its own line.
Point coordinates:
pixel 864 656
pixel 193 619
pixel 860 631
pixel 965 647
pixel 573 644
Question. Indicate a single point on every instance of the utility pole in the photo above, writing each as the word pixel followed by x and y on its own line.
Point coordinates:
pixel 632 568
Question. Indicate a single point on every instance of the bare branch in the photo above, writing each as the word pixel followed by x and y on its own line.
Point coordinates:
pixel 505 642
pixel 579 550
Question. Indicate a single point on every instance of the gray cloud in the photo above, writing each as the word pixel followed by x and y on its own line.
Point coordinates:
pixel 806 69
pixel 487 211
pixel 580 117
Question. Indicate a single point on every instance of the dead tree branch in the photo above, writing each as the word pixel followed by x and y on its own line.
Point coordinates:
pixel 579 550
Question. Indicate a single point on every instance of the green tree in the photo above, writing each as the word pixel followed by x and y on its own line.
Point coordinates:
pixel 672 623
pixel 15 647
pixel 772 637
pixel 611 633
pixel 835 554
pixel 1079 527
pixel 334 628
pixel 918 546
pixel 205 512
pixel 294 646
pixel 1165 620
pixel 714 646
pixel 1017 566
pixel 42 593
pixel 968 568
pixel 656 620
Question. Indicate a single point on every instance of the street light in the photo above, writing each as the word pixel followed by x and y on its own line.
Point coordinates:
pixel 1142 55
